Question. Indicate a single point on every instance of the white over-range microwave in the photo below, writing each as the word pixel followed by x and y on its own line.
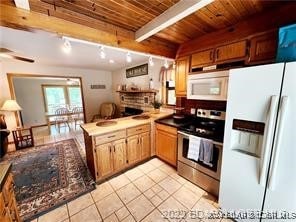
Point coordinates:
pixel 208 86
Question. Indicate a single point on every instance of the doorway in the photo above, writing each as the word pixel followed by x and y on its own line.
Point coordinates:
pixel 50 104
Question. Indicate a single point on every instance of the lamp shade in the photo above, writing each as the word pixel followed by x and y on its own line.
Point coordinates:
pixel 10 105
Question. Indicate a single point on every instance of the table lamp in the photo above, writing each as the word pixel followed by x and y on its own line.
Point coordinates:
pixel 11 106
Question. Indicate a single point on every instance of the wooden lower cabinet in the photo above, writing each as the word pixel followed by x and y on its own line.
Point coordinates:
pixel 118 151
pixel 111 157
pixel 119 154
pixel 138 147
pixel 133 149
pixel 8 206
pixel 166 143
pixel 145 145
pixel 104 159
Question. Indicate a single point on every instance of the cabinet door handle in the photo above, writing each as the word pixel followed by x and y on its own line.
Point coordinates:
pixel 114 149
pixel 139 129
pixel 110 149
pixel 111 136
pixel 217 54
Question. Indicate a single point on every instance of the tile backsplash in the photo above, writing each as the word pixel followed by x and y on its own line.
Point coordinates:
pixel 137 100
pixel 200 104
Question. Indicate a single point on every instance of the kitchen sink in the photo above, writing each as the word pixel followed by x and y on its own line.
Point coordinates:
pixel 106 123
pixel 141 117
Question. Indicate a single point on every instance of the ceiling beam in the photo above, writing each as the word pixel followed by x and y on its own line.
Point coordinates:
pixel 28 20
pixel 175 13
pixel 23 4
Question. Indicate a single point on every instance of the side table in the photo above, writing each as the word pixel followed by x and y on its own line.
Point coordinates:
pixel 23 137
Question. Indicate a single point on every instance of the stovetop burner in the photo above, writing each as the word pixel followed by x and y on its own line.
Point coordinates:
pixel 205 128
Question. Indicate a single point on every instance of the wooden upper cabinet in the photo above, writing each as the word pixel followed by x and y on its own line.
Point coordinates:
pixel 202 58
pixel 145 145
pixel 231 52
pixel 104 159
pixel 133 149
pixel 119 154
pixel 263 48
pixel 182 68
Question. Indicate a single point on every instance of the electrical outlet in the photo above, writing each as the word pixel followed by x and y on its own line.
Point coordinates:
pixel 192 111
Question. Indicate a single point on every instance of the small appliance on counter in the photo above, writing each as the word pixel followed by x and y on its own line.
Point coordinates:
pixel 129 111
pixel 178 115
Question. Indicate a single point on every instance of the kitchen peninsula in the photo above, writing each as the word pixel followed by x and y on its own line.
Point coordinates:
pixel 118 146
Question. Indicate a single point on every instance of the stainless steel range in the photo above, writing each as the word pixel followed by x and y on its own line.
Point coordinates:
pixel 208 124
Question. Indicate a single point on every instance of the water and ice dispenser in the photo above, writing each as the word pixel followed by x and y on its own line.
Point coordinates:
pixel 247 137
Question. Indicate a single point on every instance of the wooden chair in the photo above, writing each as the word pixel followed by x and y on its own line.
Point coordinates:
pixel 62 117
pixel 107 111
pixel 77 116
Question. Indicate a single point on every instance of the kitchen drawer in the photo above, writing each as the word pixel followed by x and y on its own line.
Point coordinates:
pixel 7 190
pixel 168 129
pixel 109 137
pixel 138 130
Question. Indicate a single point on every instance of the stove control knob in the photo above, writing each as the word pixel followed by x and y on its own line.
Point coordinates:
pixel 198 112
pixel 203 113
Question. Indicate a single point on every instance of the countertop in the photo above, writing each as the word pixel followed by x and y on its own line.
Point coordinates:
pixel 122 123
pixel 169 121
pixel 4 171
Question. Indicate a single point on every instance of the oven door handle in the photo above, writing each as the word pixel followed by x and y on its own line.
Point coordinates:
pixel 187 135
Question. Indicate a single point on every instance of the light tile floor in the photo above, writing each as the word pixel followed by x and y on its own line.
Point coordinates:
pixel 148 193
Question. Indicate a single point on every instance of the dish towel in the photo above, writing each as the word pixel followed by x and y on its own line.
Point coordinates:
pixel 193 149
pixel 206 152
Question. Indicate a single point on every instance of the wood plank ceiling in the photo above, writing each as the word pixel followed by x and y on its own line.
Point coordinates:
pixel 130 15
pixel 133 14
pixel 217 15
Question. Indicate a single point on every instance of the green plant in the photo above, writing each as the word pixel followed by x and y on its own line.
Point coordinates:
pixel 156 104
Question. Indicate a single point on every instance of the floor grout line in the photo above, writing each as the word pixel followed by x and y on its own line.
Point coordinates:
pixel 164 168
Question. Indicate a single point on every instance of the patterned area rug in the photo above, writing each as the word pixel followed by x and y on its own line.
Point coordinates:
pixel 47 176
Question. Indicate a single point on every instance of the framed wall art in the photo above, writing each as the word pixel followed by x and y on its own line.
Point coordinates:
pixel 137 71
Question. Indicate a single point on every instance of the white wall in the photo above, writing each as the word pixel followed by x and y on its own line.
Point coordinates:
pixel 119 78
pixel 29 96
pixel 92 97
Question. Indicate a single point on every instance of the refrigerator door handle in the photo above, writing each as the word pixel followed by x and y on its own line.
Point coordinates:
pixel 275 158
pixel 266 147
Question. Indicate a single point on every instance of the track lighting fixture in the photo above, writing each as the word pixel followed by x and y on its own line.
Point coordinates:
pixel 67 46
pixel 128 57
pixel 151 63
pixel 102 53
pixel 166 65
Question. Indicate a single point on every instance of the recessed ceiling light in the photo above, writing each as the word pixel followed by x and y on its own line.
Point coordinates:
pixel 102 53
pixel 67 46
pixel 128 57
pixel 166 65
pixel 151 63
pixel 111 61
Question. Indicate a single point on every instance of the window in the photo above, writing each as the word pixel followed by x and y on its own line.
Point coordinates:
pixel 74 94
pixel 170 93
pixel 61 96
pixel 168 86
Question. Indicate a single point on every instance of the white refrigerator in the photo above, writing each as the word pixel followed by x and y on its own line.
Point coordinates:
pixel 259 153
